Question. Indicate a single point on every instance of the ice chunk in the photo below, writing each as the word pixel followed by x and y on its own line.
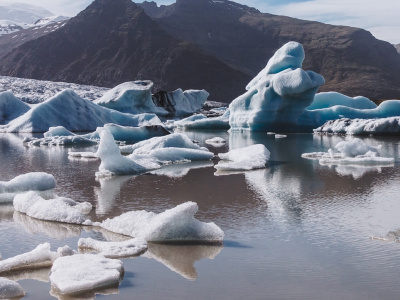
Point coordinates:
pixel 59 141
pixel 39 257
pixel 10 289
pixel 11 107
pixel 278 95
pixel 132 247
pixel 67 109
pixel 280 136
pixel 85 272
pixel 216 142
pixel 201 122
pixel 37 181
pixel 58 210
pixel 57 131
pixel 249 158
pixel 355 148
pixel 135 134
pixel 180 170
pixel 174 225
pixel 329 99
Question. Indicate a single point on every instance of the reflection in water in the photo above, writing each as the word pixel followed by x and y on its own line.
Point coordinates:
pixel 107 193
pixel 180 170
pixel 6 212
pixel 357 171
pixel 59 231
pixel 34 274
pixel 181 258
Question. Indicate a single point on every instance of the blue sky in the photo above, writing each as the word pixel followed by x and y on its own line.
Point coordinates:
pixel 382 17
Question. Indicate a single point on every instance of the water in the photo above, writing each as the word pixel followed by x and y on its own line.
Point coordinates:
pixel 296 230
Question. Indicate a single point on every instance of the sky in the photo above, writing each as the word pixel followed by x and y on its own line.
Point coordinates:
pixel 380 17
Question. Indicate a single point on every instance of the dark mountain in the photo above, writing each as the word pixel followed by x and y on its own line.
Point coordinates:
pixel 352 61
pixel 113 41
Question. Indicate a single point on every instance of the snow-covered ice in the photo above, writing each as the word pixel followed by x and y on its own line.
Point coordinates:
pixel 60 209
pixel 67 109
pixel 37 181
pixel 249 158
pixel 11 107
pixel 173 225
pixel 132 247
pixel 10 289
pixel 85 272
pixel 39 257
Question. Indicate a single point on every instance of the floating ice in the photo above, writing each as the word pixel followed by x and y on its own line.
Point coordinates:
pixel 278 95
pixel 135 134
pixel 86 154
pixel 382 126
pixel 249 158
pixel 11 107
pixel 85 272
pixel 67 109
pixel 174 225
pixel 216 142
pixel 37 181
pixel 329 99
pixel 180 170
pixel 131 247
pixel 280 136
pixel 60 209
pixel 10 289
pixel 40 257
pixel 201 122
pixel 356 147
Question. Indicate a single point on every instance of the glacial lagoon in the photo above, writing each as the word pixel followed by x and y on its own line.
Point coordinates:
pixel 295 230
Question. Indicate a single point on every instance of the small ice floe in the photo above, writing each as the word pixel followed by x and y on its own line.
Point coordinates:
pixel 59 141
pixel 180 170
pixel 216 142
pixel 391 236
pixel 60 209
pixel 40 257
pixel 37 181
pixel 173 225
pixel 249 158
pixel 201 122
pixel 132 247
pixel 280 136
pixel 87 155
pixel 85 272
pixel 10 289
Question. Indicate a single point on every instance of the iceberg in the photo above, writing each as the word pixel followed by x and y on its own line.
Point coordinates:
pixel 249 158
pixel 329 99
pixel 201 122
pixel 37 181
pixel 216 142
pixel 10 289
pixel 278 95
pixel 67 109
pixel 60 209
pixel 11 107
pixel 39 257
pixel 173 225
pixel 85 272
pixel 132 247
pixel 135 134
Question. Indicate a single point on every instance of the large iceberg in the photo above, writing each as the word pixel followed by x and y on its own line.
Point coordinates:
pixel 173 225
pixel 11 107
pixel 135 97
pixel 278 95
pixel 69 110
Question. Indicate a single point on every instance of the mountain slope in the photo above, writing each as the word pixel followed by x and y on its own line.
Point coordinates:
pixel 113 41
pixel 351 60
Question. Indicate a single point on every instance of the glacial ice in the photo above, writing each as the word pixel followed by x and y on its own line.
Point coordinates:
pixel 249 158
pixel 135 134
pixel 132 247
pixel 39 257
pixel 10 289
pixel 173 225
pixel 11 107
pixel 135 97
pixel 60 209
pixel 201 122
pixel 67 109
pixel 329 99
pixel 37 181
pixel 278 95
pixel 85 272
pixel 216 142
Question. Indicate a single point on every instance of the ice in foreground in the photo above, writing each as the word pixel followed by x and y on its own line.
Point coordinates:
pixel 85 272
pixel 40 257
pixel 249 158
pixel 10 289
pixel 173 225
pixel 60 209
pixel 37 181
pixel 128 248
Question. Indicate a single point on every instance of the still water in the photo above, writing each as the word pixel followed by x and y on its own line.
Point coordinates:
pixel 295 230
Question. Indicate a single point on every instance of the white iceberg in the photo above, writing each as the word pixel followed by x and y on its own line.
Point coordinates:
pixel 85 272
pixel 249 158
pixel 10 289
pixel 37 181
pixel 39 257
pixel 11 107
pixel 132 247
pixel 67 109
pixel 60 209
pixel 173 225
